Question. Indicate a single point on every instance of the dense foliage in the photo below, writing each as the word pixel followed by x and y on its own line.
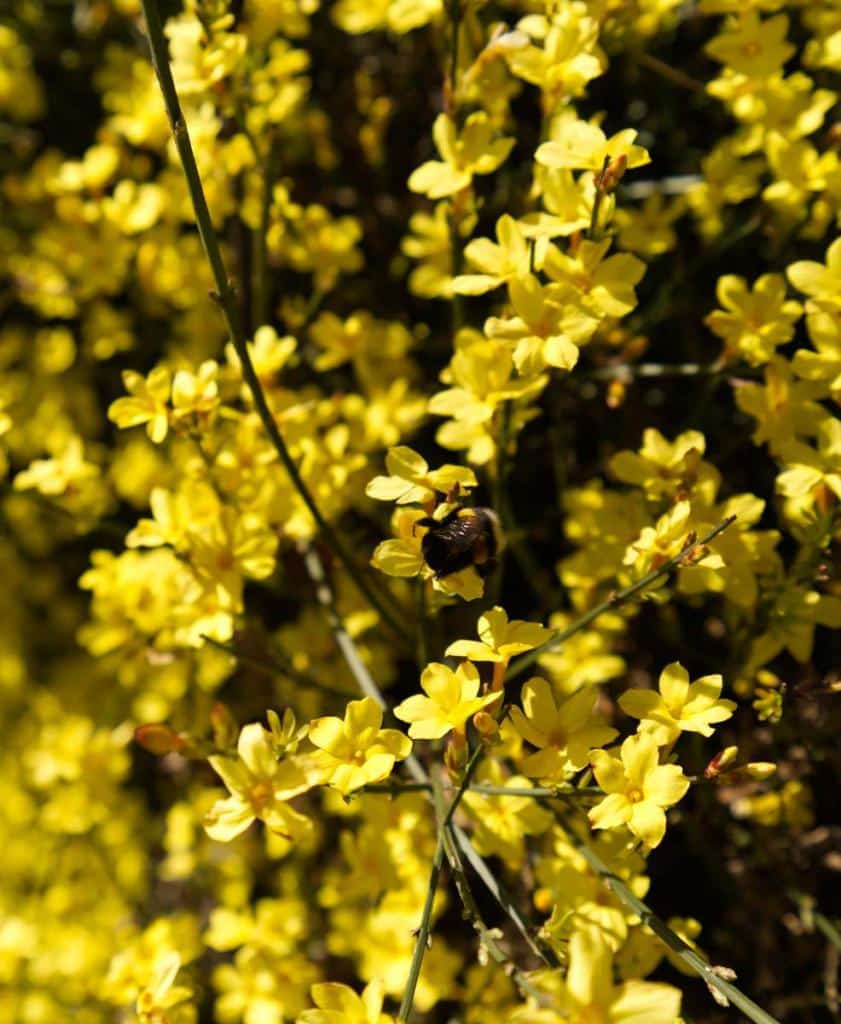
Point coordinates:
pixel 287 731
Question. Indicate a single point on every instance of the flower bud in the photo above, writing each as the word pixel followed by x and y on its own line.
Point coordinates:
pixel 487 727
pixel 225 728
pixel 455 756
pixel 159 739
pixel 722 761
pixel 760 769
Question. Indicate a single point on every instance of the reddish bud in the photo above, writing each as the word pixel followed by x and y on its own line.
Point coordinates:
pixel 159 739
pixel 224 725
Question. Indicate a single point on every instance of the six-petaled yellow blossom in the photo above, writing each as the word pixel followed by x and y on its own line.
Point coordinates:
pixel 355 751
pixel 260 786
pixel 564 731
pixel 451 699
pixel 680 706
pixel 638 788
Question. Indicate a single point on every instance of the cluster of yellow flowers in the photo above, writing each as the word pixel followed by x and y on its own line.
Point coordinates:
pixel 252 758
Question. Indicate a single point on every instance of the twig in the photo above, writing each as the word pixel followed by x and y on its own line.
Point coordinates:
pixel 615 600
pixel 544 953
pixel 669 937
pixel 486 937
pixel 422 941
pixel 359 670
pixel 226 300
pixel 660 67
pixel 272 668
pixel 396 787
pixel 631 371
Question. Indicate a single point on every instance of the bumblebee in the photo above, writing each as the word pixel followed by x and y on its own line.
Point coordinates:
pixel 464 537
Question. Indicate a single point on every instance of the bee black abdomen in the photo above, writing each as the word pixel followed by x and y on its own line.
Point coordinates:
pixel 440 555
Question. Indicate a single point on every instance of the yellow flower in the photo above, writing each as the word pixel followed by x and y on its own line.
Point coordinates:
pixel 499 639
pixel 605 286
pixel 666 539
pixel 474 151
pixel 823 366
pixel 452 698
pixel 814 473
pixel 503 822
pixel 429 243
pixel 501 262
pixel 680 706
pixel 195 395
pixel 148 402
pixel 162 1000
pixel 579 145
pixel 648 231
pixel 339 1004
pixel 792 618
pixel 67 473
pixel 259 786
pixel 482 372
pixel 570 56
pixel 549 325
pixel 355 751
pixel 564 732
pixel 410 480
pixel 662 468
pixel 754 322
pixel 821 282
pixel 751 46
pixel 782 407
pixel 638 787
pixel 591 996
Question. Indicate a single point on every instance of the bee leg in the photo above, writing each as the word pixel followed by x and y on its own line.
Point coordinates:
pixel 485 568
pixel 424 521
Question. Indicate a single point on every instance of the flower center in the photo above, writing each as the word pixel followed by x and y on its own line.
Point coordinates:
pixel 635 796
pixel 557 738
pixel 260 794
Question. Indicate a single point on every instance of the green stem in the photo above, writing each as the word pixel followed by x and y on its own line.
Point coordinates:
pixel 273 668
pixel 454 13
pixel 542 951
pixel 487 938
pixel 364 680
pixel 829 931
pixel 226 300
pixel 672 74
pixel 615 600
pixel 670 938
pixel 259 270
pixel 422 941
pixel 396 787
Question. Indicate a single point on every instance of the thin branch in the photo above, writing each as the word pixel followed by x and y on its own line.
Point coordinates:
pixel 487 938
pixel 543 952
pixel 670 938
pixel 615 600
pixel 673 74
pixel 273 668
pixel 633 371
pixel 364 680
pixel 422 941
pixel 396 787
pixel 226 300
